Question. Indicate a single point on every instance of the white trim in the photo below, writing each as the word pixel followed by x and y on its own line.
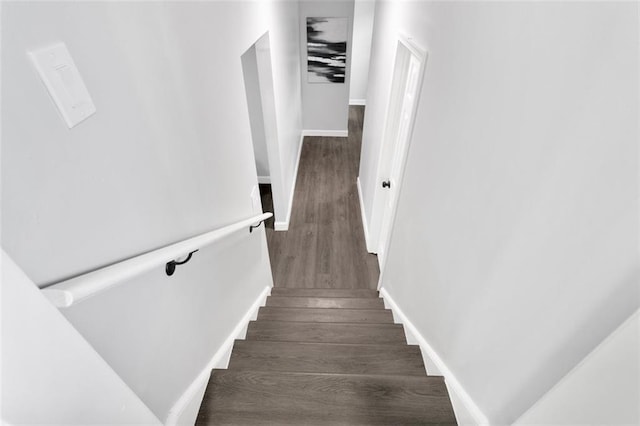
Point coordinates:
pixel 194 393
pixel 464 406
pixel 281 226
pixel 284 225
pixel 414 47
pixel 68 292
pixel 264 180
pixel 262 50
pixel 395 154
pixel 380 268
pixel 357 102
pixel 364 217
pixel 326 133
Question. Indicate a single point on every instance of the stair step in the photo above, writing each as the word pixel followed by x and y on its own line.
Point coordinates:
pixel 325 302
pixel 251 397
pixel 381 316
pixel 323 292
pixel 327 358
pixel 318 332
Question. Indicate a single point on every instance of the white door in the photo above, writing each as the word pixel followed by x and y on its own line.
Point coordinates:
pixel 407 77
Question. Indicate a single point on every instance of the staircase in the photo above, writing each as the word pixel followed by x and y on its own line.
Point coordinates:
pixel 325 356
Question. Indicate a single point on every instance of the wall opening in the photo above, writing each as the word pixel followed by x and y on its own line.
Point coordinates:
pixel 258 80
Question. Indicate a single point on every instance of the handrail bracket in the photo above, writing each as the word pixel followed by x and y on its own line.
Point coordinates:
pixel 170 267
pixel 252 227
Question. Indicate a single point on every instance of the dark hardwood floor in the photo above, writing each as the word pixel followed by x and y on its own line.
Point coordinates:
pixel 324 350
pixel 324 246
pixel 339 368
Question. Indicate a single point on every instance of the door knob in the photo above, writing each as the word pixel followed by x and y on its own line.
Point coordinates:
pixel 386 184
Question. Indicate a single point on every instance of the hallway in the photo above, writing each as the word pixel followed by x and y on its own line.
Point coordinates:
pixel 132 144
pixel 324 349
pixel 324 246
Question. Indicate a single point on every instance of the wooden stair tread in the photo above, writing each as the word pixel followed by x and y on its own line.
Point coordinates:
pixel 325 302
pixel 327 358
pixel 323 292
pixel 317 332
pixel 372 316
pixel 258 397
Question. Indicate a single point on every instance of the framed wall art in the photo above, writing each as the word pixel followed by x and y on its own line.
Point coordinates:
pixel 326 50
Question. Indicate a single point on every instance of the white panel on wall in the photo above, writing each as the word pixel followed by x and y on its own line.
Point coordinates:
pixel 64 83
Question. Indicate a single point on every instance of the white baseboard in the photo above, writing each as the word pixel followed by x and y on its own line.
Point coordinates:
pixel 281 226
pixel 357 101
pixel 364 217
pixel 466 410
pixel 185 410
pixel 284 225
pixel 327 133
pixel 264 180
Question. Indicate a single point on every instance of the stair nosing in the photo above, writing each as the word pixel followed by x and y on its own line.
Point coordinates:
pixel 316 307
pixel 309 341
pixel 354 375
pixel 328 297
pixel 300 310
pixel 319 307
pixel 325 297
pixel 302 299
pixel 398 327
pixel 332 323
pixel 325 343
pixel 384 375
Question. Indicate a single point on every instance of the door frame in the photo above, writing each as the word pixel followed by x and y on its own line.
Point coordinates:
pixel 261 50
pixel 406 48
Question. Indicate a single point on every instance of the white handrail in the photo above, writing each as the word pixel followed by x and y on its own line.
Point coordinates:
pixel 66 293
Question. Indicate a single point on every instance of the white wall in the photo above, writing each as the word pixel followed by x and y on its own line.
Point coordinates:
pixel 252 87
pixel 274 152
pixel 171 121
pixel 283 20
pixel 167 155
pixel 325 106
pixel 159 332
pixel 363 14
pixel 515 248
pixel 50 374
pixel 603 389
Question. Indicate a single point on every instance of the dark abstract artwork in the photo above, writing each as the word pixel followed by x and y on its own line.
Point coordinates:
pixel 326 50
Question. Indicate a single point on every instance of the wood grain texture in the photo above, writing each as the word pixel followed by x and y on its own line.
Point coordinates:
pixel 312 332
pixel 251 397
pixel 325 302
pixel 324 351
pixel 324 246
pixel 370 316
pixel 323 292
pixel 327 358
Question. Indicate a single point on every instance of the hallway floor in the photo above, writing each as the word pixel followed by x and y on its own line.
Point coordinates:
pixel 324 246
pixel 324 349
